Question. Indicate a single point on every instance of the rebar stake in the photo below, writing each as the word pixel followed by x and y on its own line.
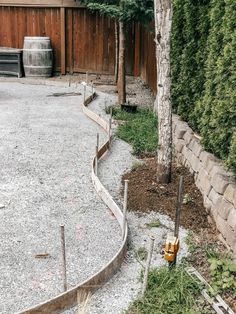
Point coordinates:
pixel 96 161
pixel 98 140
pixel 92 89
pixel 63 248
pixel 109 132
pixel 125 208
pixel 146 272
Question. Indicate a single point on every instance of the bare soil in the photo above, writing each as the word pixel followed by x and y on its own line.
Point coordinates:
pixel 146 195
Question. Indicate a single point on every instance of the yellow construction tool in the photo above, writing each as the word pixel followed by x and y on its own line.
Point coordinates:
pixel 171 248
pixel 172 241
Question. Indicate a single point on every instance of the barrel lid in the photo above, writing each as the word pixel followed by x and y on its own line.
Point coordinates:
pixel 36 38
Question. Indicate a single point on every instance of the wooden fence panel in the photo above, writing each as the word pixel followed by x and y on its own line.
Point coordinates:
pixel 82 42
pixel 148 71
pixel 19 22
pixel 90 39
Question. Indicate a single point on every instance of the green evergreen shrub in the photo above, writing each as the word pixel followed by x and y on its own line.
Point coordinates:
pixel 203 58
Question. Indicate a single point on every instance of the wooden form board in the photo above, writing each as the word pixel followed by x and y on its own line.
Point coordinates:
pixel 70 298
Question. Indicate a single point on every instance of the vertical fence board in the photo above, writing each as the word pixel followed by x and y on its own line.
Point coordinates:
pixel 148 70
pixel 89 40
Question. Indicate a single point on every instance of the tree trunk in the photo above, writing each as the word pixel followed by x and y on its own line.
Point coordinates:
pixel 117 50
pixel 121 71
pixel 162 105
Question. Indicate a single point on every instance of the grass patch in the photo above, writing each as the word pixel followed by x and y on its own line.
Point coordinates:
pixel 169 292
pixel 139 130
pixel 154 224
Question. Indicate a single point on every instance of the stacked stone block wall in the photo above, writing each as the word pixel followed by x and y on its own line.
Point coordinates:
pixel 217 185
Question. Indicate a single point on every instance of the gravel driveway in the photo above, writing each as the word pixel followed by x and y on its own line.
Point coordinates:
pixel 46 148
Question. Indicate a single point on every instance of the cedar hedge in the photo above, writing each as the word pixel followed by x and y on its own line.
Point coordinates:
pixel 203 62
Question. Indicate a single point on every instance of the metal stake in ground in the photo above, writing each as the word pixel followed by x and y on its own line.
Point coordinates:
pixel 109 132
pixel 146 272
pixel 96 161
pixel 92 89
pixel 172 243
pixel 125 208
pixel 63 248
pixel 87 78
pixel 98 140
pixel 178 206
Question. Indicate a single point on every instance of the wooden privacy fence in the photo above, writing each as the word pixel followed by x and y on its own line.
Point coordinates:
pixel 81 41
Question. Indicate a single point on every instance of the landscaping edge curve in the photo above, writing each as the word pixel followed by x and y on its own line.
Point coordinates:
pixel 79 293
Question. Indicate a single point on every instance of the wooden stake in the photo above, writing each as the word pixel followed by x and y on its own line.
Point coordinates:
pixel 149 257
pixel 84 93
pixel 125 207
pixel 63 248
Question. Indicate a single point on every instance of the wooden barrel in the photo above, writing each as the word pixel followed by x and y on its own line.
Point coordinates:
pixel 37 57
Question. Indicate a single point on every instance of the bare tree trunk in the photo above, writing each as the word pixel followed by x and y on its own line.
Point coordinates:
pixel 162 106
pixel 117 50
pixel 121 71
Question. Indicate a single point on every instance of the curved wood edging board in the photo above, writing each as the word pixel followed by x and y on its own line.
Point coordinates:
pixel 71 297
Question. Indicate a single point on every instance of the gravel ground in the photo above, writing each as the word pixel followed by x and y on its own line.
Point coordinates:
pixel 116 295
pixel 138 92
pixel 46 147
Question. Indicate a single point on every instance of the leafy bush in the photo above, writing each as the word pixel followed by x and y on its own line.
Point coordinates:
pixel 223 272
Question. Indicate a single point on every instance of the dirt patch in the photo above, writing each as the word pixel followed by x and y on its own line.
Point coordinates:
pixel 146 195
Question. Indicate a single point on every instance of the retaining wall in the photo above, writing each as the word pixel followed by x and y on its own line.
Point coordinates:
pixel 217 185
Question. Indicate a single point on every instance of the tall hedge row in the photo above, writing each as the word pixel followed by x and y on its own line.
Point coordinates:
pixel 203 61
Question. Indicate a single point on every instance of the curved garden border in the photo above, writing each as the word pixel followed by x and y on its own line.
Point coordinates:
pixel 71 297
